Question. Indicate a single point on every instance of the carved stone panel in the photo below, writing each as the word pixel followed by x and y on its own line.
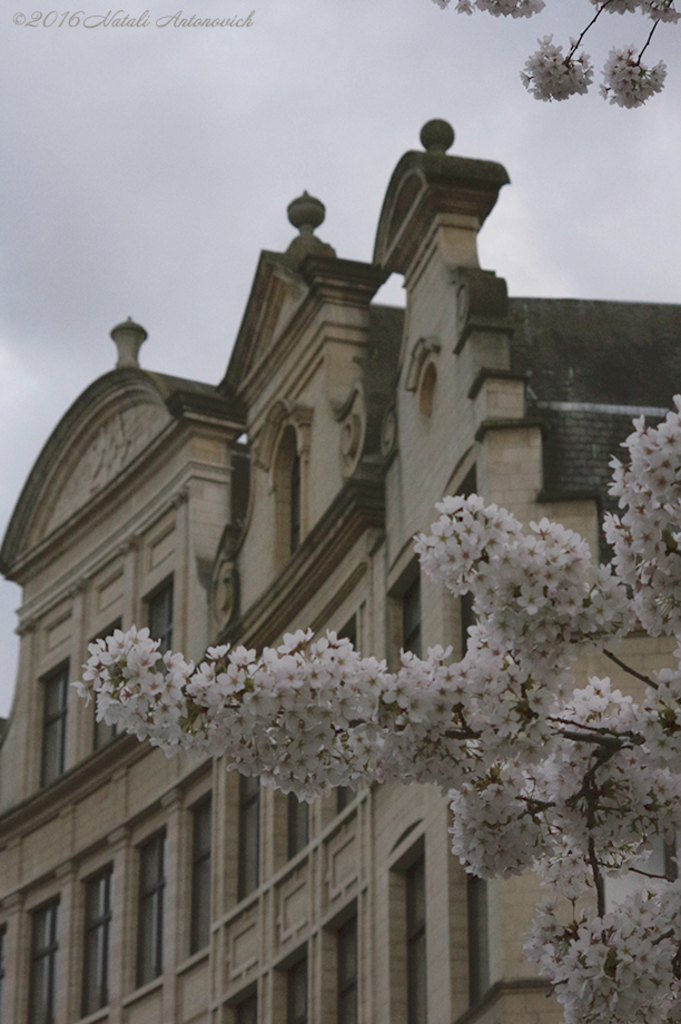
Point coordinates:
pixel 118 441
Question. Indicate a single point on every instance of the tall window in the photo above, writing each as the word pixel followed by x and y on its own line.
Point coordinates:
pixel 478 940
pixel 3 952
pixel 287 496
pixel 160 616
pixel 249 834
pixel 298 824
pixel 96 942
pixel 105 733
pixel 55 702
pixel 416 943
pixel 347 972
pixel 468 486
pixel 150 924
pixel 43 973
pixel 295 504
pixel 411 618
pixel 344 794
pixel 201 828
pixel 296 994
pixel 247 1011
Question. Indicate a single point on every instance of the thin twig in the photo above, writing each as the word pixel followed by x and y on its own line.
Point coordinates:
pixel 595 18
pixel 631 671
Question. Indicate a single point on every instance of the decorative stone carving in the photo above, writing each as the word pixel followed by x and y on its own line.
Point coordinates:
pixel 389 433
pixel 118 441
pixel 224 587
pixel 481 303
pixel 353 427
pixel 423 348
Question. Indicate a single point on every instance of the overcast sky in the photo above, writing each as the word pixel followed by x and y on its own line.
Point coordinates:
pixel 144 169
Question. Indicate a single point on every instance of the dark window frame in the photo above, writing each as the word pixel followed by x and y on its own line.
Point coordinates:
pixel 298 825
pixel 249 812
pixel 201 875
pixel 246 1012
pixel 152 895
pixel 161 601
pixel 347 984
pixel 412 617
pixel 417 976
pixel 39 954
pixel 97 936
pixel 298 971
pixel 3 963
pixel 55 721
pixel 295 504
pixel 103 733
pixel 478 938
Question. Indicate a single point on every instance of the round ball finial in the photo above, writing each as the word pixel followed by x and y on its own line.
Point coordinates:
pixel 437 136
pixel 128 337
pixel 306 213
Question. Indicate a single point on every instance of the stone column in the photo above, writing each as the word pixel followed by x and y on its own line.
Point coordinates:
pixel 175 910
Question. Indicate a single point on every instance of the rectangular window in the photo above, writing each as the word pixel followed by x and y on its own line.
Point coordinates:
pixel 247 1011
pixel 411 618
pixel 296 994
pixel 43 972
pixel 416 943
pixel 468 486
pixel 105 733
pixel 96 942
pixel 298 824
pixel 160 616
pixel 55 702
pixel 150 924
pixel 347 972
pixel 343 793
pixel 201 829
pixel 249 834
pixel 478 940
pixel 3 953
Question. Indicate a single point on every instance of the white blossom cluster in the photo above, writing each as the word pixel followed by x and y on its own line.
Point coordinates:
pixel 575 783
pixel 549 74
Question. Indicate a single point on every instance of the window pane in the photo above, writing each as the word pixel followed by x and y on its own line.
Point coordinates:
pixel 411 618
pixel 96 942
pixel 201 820
pixel 150 930
pixel 3 949
pixel 298 824
pixel 249 834
pixel 55 696
pixel 105 733
pixel 160 617
pixel 296 994
pixel 478 943
pixel 247 1012
pixel 295 504
pixel 347 973
pixel 416 943
pixel 42 982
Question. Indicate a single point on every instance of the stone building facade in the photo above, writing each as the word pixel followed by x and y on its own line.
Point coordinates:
pixel 140 890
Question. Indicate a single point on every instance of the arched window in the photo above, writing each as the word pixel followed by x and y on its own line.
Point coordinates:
pixel 288 492
pixel 294 511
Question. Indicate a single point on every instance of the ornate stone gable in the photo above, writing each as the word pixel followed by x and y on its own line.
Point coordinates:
pixel 120 439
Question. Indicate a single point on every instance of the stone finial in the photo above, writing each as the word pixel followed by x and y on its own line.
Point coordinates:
pixel 128 337
pixel 437 136
pixel 306 213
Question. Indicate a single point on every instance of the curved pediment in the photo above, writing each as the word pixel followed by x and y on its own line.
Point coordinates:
pixel 100 437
